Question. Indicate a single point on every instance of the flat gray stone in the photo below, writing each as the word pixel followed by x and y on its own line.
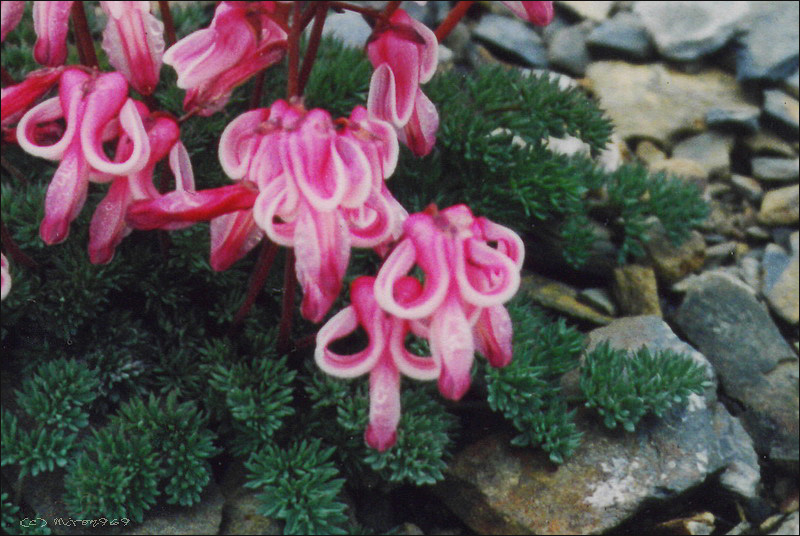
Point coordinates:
pixel 769 44
pixel 784 109
pixel 710 150
pixel 658 103
pixel 567 50
pixel 790 85
pixel 348 27
pixel 780 206
pixel 513 37
pixel 498 489
pixel 596 11
pixel 624 35
pixel 722 318
pixel 748 187
pixel 743 119
pixel 776 169
pixel 780 283
pixel 686 31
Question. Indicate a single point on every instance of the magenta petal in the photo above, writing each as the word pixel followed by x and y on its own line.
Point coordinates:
pixel 17 98
pixel 270 205
pixel 108 226
pixel 232 237
pixel 11 12
pixel 65 196
pixel 239 141
pixel 384 405
pixel 538 13
pixel 382 97
pixel 51 22
pixel 452 345
pixel 134 41
pixel 185 206
pixel 322 251
pixel 493 333
pixel 500 276
pixel 5 277
pixel 508 242
pixel 419 134
pixel 413 366
pixel 358 172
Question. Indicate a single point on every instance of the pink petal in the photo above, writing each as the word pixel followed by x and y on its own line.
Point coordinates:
pixel 373 223
pixel 322 251
pixel 185 206
pixel 501 276
pixel 508 242
pixel 378 140
pixel 232 237
pixel 452 345
pixel 357 170
pixel 205 54
pixel 108 226
pixel 5 277
pixel 270 205
pixel 65 195
pixel 51 22
pixel 18 98
pixel 11 12
pixel 419 134
pixel 538 13
pixel 239 141
pixel 134 41
pixel 493 333
pixel 384 405
pixel 413 366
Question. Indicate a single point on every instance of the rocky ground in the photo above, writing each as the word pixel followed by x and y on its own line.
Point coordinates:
pixel 707 91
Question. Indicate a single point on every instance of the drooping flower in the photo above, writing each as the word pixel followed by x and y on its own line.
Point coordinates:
pixel 11 12
pixel 305 181
pixel 96 109
pixel 384 358
pixel 5 277
pixel 466 282
pixel 17 99
pixel 134 41
pixel 51 22
pixel 108 226
pixel 538 13
pixel 243 39
pixel 404 55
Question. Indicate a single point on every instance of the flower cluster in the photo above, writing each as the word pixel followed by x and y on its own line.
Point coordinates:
pixel 458 310
pixel 302 179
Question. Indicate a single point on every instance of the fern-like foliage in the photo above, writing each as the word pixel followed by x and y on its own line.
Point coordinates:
pixel 625 387
pixel 116 475
pixel 36 450
pixel 13 522
pixel 526 391
pixel 340 79
pixel 178 435
pixel 258 396
pixel 299 485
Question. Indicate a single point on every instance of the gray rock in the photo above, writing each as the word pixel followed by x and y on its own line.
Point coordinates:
pixel 560 297
pixel 498 489
pixel 567 50
pixel 750 271
pixel 513 37
pixel 722 318
pixel 657 103
pixel 672 262
pixel 349 27
pixel 780 283
pixel 781 206
pixel 790 85
pixel 600 299
pixel 596 11
pixel 719 254
pixel 783 109
pixel 776 169
pixel 624 35
pixel 242 516
pixel 686 31
pixel 203 518
pixel 747 187
pixel 769 48
pixel 790 525
pixel 757 232
pixel 710 150
pixel 743 119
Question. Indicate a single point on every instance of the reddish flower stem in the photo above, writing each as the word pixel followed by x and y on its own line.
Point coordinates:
pixel 7 79
pixel 455 15
pixel 19 256
pixel 389 10
pixel 169 24
pixel 83 37
pixel 258 89
pixel 313 45
pixel 287 303
pixel 257 279
pixel 293 53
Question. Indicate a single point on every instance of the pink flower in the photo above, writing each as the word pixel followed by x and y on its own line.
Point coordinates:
pixel 466 282
pixel 242 40
pixel 11 12
pixel 96 109
pixel 51 22
pixel 134 41
pixel 404 56
pixel 384 358
pixel 17 99
pixel 538 13
pixel 5 277
pixel 108 226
